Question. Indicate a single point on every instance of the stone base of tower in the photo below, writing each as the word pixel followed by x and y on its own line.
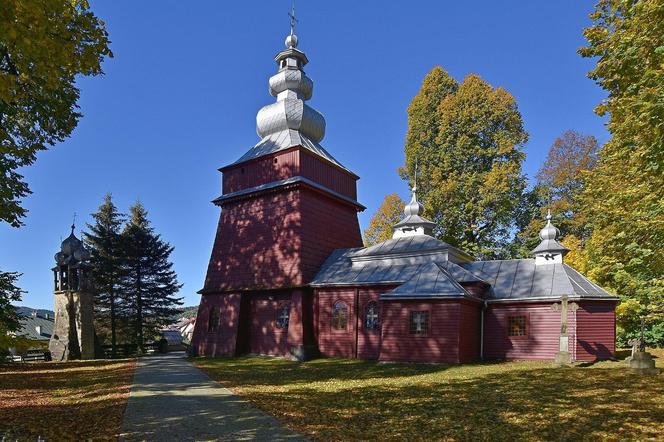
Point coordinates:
pixel 73 332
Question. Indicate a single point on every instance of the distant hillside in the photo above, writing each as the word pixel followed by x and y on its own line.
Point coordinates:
pixel 27 311
pixel 188 312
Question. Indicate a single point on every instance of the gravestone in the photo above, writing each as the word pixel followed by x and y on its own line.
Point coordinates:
pixel 641 361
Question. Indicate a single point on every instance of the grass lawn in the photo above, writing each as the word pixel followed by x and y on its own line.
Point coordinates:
pixel 79 400
pixel 348 399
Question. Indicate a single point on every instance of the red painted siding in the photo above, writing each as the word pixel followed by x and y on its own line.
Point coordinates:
pixel 261 171
pixel 368 341
pixel 542 332
pixel 595 330
pixel 441 343
pixel 221 341
pixel 331 342
pixel 469 331
pixel 285 164
pixel 265 337
pixel 326 225
pixel 328 175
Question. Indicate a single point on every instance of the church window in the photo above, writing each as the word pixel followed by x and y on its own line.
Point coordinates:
pixel 371 319
pixel 340 316
pixel 419 323
pixel 517 326
pixel 213 319
pixel 283 316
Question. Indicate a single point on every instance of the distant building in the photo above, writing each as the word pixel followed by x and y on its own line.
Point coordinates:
pixel 36 326
pixel 288 274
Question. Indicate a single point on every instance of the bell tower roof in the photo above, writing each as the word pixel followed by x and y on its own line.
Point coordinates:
pixel 290 121
pixel 72 250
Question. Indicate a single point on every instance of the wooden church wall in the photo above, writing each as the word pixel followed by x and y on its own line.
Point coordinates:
pixel 221 339
pixel 542 331
pixel 596 330
pixel 440 344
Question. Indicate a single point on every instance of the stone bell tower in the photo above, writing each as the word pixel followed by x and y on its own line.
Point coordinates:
pixel 73 331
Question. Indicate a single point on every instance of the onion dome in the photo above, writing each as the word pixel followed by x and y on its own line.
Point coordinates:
pixel 72 250
pixel 412 223
pixel 292 88
pixel 548 235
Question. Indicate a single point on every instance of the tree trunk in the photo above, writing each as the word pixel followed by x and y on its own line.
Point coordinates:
pixel 113 341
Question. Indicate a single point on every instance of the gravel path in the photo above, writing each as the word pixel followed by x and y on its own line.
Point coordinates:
pixel 171 399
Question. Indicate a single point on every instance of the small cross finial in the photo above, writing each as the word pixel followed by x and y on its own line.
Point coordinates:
pixel 548 215
pixel 293 20
pixel 415 181
pixel 73 223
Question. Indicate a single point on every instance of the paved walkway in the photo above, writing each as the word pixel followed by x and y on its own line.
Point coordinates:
pixel 171 400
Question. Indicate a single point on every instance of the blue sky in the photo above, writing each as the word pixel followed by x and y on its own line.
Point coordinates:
pixel 180 98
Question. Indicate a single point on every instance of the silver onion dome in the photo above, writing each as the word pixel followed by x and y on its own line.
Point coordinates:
pixel 292 88
pixel 548 236
pixel 549 231
pixel 413 223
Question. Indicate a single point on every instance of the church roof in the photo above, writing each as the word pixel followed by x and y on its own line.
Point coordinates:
pixel 415 263
pixel 431 281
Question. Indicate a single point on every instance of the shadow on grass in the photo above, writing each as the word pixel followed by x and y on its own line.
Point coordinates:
pixel 64 401
pixel 334 400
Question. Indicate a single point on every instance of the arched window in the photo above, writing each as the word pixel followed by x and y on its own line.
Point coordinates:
pixel 213 319
pixel 371 319
pixel 283 315
pixel 339 315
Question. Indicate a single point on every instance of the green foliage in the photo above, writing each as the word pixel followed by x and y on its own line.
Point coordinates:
pixel 9 292
pixel 388 214
pixel 560 182
pixel 44 45
pixel 467 142
pixel 623 199
pixel 106 253
pixel 149 283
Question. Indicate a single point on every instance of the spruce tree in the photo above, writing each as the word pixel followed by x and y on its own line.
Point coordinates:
pixel 103 240
pixel 150 283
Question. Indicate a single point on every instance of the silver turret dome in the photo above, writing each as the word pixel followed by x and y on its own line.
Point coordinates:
pixel 549 244
pixel 412 223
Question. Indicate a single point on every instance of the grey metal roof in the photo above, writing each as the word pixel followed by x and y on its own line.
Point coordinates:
pixel 521 279
pixel 549 245
pixel 285 140
pixel 518 279
pixel 431 281
pixel 29 326
pixel 417 243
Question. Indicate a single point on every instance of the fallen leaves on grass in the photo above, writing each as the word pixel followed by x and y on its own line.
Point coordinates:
pixel 334 399
pixel 79 400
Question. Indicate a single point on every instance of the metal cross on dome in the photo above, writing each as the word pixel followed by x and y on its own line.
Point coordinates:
pixel 293 20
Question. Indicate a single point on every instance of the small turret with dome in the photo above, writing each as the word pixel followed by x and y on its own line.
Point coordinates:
pixel 413 224
pixel 72 264
pixel 549 251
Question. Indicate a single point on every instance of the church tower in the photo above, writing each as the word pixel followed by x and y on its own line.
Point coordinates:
pixel 73 331
pixel 286 204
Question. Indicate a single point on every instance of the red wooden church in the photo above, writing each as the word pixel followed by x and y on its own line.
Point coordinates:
pixel 288 274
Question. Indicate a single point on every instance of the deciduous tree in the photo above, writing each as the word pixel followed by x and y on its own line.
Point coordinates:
pixel 471 171
pixel 623 199
pixel 388 214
